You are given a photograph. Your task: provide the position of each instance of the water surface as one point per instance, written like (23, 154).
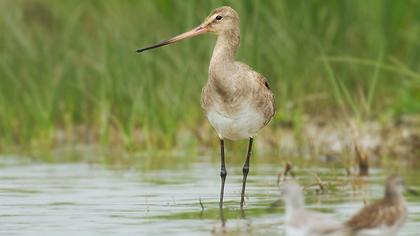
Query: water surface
(92, 199)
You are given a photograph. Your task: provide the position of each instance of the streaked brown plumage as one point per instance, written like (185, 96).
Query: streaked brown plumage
(237, 100)
(388, 213)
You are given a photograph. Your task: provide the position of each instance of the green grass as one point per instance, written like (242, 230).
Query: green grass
(68, 68)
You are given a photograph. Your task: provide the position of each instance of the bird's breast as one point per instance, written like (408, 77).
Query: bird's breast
(241, 123)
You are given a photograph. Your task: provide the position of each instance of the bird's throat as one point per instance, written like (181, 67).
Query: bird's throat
(226, 45)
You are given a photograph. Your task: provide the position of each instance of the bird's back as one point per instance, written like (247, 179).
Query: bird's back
(382, 216)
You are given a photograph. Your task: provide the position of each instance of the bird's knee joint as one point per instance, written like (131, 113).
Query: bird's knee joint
(223, 173)
(245, 170)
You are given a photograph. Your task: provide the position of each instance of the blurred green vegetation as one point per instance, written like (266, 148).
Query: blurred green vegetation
(68, 68)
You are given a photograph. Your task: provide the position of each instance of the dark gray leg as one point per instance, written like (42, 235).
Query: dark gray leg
(223, 172)
(245, 171)
(222, 219)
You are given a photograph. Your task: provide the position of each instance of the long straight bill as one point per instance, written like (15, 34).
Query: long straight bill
(197, 31)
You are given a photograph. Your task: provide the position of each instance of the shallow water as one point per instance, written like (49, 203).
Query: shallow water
(93, 199)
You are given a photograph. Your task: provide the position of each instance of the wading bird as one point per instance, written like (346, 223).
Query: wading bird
(385, 216)
(302, 222)
(237, 100)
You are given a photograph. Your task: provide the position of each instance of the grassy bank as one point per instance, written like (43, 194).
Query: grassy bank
(69, 74)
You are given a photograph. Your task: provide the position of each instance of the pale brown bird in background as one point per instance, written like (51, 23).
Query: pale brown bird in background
(237, 100)
(303, 222)
(383, 217)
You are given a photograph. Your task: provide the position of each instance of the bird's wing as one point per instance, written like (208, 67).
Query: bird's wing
(266, 94)
(252, 74)
(366, 218)
(262, 94)
(375, 215)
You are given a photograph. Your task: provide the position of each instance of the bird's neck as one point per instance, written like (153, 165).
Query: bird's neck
(393, 196)
(294, 204)
(224, 52)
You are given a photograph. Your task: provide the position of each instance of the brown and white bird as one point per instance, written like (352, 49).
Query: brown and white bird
(383, 217)
(236, 100)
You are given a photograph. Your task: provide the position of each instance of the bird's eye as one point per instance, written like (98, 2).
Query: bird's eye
(219, 17)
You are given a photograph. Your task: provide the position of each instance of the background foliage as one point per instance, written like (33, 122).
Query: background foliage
(68, 68)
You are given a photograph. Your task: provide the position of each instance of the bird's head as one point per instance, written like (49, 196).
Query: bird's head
(395, 186)
(221, 20)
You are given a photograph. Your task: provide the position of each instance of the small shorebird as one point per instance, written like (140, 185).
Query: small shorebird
(237, 100)
(302, 222)
(383, 217)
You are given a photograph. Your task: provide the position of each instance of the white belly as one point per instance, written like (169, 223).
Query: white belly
(242, 125)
